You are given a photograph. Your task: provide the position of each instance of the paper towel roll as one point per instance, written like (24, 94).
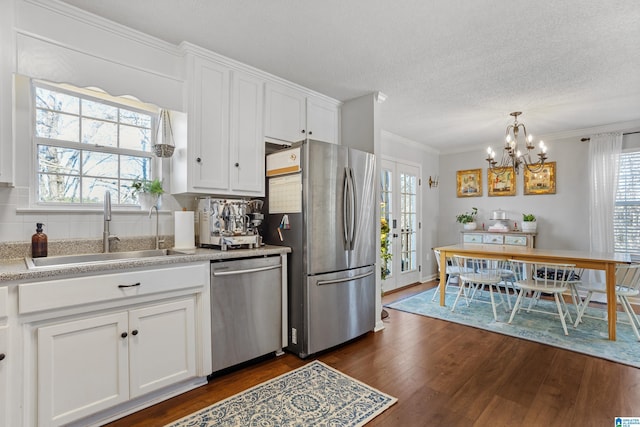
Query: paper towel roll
(184, 234)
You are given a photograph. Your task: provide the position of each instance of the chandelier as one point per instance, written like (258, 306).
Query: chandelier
(512, 157)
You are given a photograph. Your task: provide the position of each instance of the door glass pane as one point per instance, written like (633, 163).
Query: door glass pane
(409, 222)
(385, 223)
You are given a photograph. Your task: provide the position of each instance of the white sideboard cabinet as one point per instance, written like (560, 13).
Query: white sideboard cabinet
(513, 238)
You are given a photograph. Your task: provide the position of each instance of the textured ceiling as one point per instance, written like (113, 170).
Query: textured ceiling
(453, 70)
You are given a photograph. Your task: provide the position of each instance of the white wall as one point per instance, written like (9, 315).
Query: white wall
(397, 148)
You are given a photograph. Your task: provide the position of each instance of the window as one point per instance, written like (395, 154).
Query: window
(86, 145)
(626, 217)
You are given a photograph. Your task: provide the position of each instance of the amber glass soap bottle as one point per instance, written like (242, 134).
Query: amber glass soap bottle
(39, 242)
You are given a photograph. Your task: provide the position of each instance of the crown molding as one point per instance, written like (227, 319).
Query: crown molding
(77, 14)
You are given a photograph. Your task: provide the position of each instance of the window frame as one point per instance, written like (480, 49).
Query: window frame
(128, 103)
(634, 251)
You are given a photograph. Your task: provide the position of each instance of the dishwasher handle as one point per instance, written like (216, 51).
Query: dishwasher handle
(248, 270)
(344, 279)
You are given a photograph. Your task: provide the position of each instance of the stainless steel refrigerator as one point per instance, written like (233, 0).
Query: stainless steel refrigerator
(321, 202)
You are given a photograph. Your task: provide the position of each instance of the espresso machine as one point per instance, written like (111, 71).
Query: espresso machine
(229, 223)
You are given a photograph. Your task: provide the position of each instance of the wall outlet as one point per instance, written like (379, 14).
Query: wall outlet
(294, 336)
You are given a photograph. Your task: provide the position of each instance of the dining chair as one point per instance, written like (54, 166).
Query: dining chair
(476, 274)
(627, 285)
(538, 278)
(452, 272)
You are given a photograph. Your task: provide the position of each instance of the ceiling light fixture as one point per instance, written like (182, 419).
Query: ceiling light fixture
(512, 157)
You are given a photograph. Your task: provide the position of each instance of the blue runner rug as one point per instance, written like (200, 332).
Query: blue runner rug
(313, 395)
(590, 337)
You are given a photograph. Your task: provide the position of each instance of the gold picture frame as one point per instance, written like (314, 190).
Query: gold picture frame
(501, 181)
(469, 183)
(542, 182)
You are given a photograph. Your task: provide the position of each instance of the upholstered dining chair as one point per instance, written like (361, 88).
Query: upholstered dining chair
(475, 275)
(538, 278)
(627, 285)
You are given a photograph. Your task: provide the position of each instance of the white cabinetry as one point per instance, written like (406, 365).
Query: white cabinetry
(4, 375)
(247, 134)
(6, 99)
(5, 356)
(108, 343)
(224, 150)
(292, 116)
(91, 364)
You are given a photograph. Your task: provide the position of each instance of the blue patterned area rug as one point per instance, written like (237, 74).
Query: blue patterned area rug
(590, 337)
(313, 395)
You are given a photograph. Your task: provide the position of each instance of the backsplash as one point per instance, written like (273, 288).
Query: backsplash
(19, 226)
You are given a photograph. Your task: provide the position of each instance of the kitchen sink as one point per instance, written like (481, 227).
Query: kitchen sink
(65, 260)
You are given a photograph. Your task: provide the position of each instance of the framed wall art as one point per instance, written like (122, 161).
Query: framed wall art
(501, 181)
(541, 182)
(469, 183)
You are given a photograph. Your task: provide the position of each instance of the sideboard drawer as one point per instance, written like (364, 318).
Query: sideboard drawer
(515, 240)
(472, 238)
(493, 239)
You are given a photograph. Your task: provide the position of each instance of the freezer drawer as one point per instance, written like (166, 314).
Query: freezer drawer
(340, 307)
(246, 310)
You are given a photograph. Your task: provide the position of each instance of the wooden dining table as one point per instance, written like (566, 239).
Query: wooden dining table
(581, 259)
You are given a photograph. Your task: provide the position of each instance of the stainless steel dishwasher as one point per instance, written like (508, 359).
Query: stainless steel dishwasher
(246, 310)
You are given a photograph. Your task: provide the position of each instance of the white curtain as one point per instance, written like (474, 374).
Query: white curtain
(604, 160)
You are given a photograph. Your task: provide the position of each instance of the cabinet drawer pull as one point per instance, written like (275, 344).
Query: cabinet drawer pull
(302, 131)
(198, 159)
(124, 335)
(134, 332)
(129, 286)
(2, 356)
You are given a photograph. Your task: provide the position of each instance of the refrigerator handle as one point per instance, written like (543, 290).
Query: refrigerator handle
(344, 279)
(345, 196)
(352, 224)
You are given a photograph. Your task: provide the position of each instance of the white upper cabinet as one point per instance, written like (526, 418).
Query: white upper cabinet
(247, 134)
(224, 150)
(323, 120)
(293, 115)
(285, 117)
(6, 98)
(201, 163)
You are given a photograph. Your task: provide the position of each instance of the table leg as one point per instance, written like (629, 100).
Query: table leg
(611, 299)
(443, 276)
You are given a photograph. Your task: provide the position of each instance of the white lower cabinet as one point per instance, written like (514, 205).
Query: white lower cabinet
(4, 375)
(91, 364)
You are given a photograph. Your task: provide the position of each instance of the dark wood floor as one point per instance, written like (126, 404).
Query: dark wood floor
(445, 374)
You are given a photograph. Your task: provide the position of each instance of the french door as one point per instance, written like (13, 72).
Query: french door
(400, 209)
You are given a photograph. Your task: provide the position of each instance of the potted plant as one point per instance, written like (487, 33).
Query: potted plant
(148, 192)
(529, 224)
(468, 219)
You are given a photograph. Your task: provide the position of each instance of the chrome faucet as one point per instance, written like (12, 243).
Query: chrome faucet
(106, 236)
(158, 240)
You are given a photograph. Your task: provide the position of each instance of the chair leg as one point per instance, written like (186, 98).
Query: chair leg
(460, 291)
(564, 325)
(583, 308)
(632, 316)
(437, 292)
(516, 305)
(493, 303)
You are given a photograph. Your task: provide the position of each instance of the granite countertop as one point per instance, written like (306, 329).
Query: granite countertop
(15, 269)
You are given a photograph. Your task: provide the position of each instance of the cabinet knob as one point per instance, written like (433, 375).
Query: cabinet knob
(199, 160)
(302, 130)
(124, 335)
(237, 165)
(310, 133)
(2, 356)
(134, 332)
